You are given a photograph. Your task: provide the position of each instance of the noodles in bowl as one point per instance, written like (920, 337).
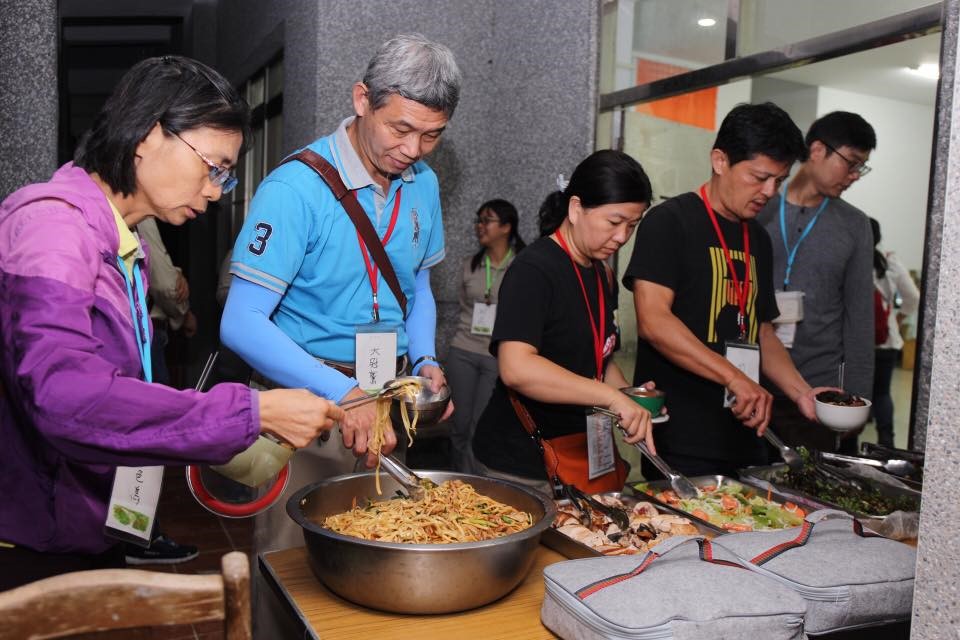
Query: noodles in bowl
(448, 513)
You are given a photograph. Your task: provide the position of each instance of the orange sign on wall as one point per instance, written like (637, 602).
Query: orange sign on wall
(697, 109)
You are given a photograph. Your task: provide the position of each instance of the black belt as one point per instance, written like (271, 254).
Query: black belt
(346, 368)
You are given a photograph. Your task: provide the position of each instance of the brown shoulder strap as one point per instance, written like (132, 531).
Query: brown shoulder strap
(359, 217)
(525, 418)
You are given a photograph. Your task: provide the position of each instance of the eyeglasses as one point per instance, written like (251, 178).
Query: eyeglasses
(220, 176)
(485, 221)
(852, 165)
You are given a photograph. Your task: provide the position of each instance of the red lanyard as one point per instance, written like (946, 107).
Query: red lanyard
(372, 266)
(598, 335)
(742, 291)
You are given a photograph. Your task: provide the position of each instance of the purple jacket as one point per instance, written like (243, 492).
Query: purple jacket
(72, 402)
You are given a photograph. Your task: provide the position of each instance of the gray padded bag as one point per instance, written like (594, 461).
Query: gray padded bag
(684, 589)
(849, 578)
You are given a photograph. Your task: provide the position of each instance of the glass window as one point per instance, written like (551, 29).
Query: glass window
(255, 91)
(647, 40)
(275, 79)
(274, 141)
(772, 24)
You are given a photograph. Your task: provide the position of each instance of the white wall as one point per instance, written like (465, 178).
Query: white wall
(895, 192)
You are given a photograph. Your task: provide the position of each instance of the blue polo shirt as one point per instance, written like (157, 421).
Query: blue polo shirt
(298, 241)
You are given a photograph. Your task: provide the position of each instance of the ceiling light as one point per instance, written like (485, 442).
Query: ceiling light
(929, 70)
(706, 22)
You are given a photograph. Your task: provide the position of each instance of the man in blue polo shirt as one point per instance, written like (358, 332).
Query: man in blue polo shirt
(307, 297)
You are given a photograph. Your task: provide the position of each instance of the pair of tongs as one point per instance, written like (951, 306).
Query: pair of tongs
(414, 484)
(680, 483)
(389, 390)
(618, 516)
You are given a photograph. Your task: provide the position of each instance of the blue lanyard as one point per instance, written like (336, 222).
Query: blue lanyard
(141, 320)
(792, 254)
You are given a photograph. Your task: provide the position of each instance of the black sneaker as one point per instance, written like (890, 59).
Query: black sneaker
(162, 550)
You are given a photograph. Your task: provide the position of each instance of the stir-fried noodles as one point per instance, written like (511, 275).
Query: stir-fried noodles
(406, 390)
(450, 512)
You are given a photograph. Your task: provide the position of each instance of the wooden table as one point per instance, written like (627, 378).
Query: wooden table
(325, 615)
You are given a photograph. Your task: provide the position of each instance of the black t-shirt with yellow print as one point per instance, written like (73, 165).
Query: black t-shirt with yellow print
(677, 247)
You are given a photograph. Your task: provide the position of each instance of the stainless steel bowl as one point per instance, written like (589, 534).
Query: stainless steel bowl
(417, 578)
(430, 405)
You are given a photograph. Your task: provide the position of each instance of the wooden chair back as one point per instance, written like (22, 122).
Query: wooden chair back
(84, 602)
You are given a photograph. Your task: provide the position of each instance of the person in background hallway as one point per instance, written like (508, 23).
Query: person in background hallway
(170, 298)
(822, 247)
(556, 330)
(701, 276)
(891, 280)
(76, 401)
(471, 369)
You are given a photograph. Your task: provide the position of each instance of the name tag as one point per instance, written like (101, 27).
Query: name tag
(786, 332)
(600, 446)
(376, 357)
(790, 304)
(484, 316)
(133, 504)
(745, 357)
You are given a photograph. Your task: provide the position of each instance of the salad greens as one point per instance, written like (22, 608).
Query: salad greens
(733, 507)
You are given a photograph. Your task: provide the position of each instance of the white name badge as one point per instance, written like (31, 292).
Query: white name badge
(133, 504)
(790, 304)
(484, 316)
(745, 357)
(786, 332)
(600, 446)
(376, 358)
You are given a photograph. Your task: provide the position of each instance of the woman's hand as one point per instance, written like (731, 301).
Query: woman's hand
(634, 419)
(296, 416)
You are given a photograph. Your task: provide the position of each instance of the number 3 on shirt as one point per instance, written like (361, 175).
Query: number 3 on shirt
(259, 244)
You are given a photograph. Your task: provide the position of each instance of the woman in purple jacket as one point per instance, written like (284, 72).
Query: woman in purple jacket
(76, 400)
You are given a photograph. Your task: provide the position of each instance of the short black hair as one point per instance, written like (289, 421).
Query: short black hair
(843, 128)
(752, 129)
(178, 93)
(604, 177)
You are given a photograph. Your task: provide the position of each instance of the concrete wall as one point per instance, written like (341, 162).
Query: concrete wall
(527, 107)
(28, 92)
(936, 604)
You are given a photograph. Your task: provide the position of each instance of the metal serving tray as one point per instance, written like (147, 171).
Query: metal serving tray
(767, 476)
(719, 481)
(572, 549)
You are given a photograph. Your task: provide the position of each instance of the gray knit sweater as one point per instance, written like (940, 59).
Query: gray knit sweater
(834, 269)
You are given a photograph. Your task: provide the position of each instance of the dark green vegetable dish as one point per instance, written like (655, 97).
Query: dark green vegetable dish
(851, 495)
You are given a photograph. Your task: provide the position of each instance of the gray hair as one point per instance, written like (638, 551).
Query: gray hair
(414, 68)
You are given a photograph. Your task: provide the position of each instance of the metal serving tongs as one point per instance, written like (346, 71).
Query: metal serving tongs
(410, 481)
(618, 516)
(388, 391)
(789, 455)
(893, 466)
(680, 483)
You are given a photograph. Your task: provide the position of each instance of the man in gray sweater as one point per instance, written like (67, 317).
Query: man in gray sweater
(822, 247)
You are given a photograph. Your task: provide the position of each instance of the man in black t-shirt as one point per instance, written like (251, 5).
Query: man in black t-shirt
(701, 276)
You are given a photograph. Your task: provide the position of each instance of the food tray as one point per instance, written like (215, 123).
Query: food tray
(767, 476)
(570, 548)
(719, 480)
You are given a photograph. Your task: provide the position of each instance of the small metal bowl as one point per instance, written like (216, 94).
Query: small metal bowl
(417, 578)
(430, 405)
(650, 399)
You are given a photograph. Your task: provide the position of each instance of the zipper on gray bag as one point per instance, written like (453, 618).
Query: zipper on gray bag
(591, 620)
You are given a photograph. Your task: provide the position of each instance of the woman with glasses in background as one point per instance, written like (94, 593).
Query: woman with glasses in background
(471, 370)
(76, 398)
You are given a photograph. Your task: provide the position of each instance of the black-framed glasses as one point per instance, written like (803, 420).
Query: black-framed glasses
(852, 165)
(220, 176)
(486, 220)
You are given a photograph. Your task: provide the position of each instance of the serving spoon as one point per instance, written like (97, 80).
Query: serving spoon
(680, 483)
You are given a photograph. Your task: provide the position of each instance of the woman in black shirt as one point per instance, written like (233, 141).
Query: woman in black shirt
(555, 331)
